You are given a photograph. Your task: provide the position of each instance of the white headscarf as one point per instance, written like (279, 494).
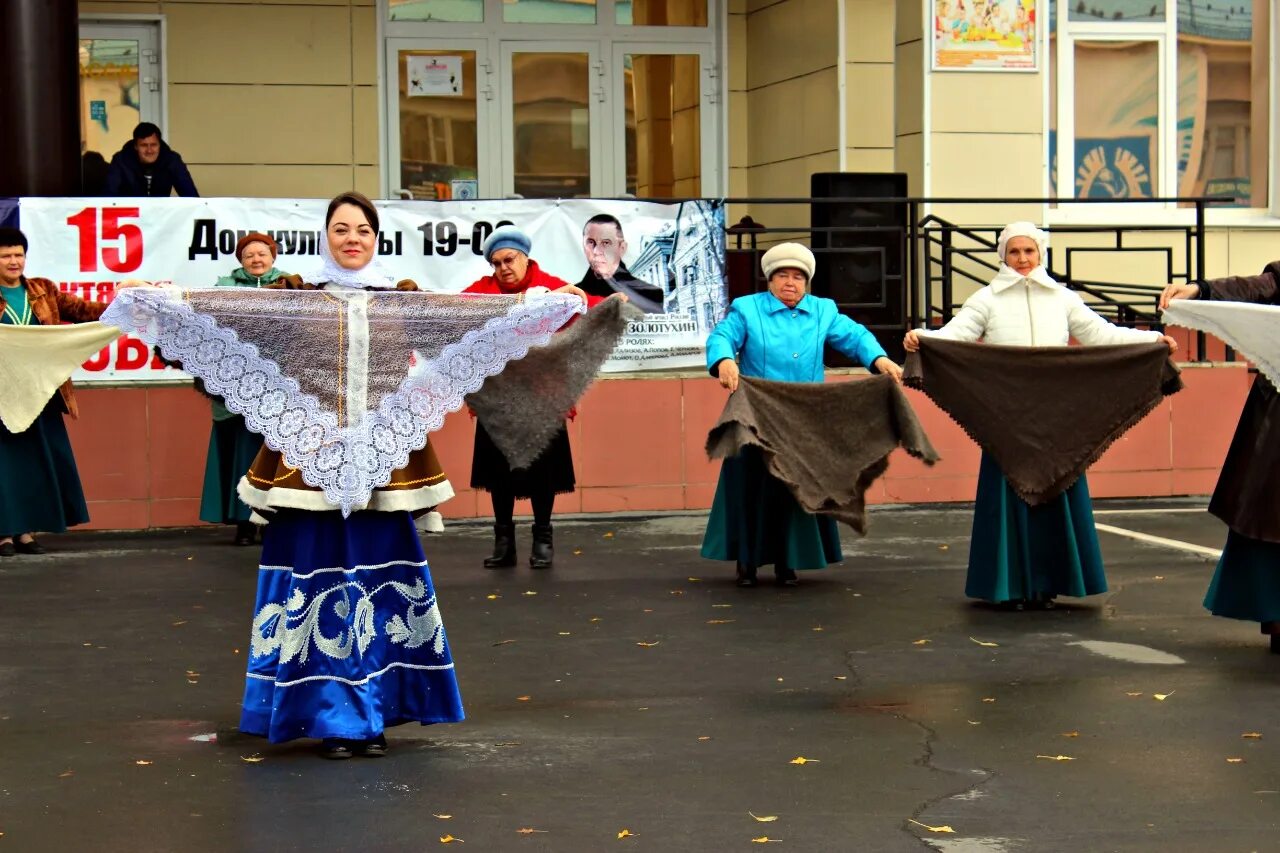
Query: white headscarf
(1007, 275)
(370, 276)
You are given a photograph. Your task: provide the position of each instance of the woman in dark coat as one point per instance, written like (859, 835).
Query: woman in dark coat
(1246, 584)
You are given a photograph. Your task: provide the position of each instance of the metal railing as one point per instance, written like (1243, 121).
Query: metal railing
(935, 256)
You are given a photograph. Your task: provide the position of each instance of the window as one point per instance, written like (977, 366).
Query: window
(1160, 98)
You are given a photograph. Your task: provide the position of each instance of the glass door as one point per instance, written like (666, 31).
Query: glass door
(438, 119)
(552, 105)
(663, 102)
(120, 86)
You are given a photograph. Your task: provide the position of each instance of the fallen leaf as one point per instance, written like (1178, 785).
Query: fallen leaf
(594, 619)
(944, 547)
(648, 610)
(676, 591)
(442, 816)
(493, 597)
(800, 759)
(1133, 694)
(1160, 697)
(974, 722)
(1158, 578)
(779, 679)
(523, 698)
(722, 605)
(694, 580)
(530, 592)
(767, 818)
(840, 677)
(251, 759)
(984, 644)
(719, 621)
(988, 699)
(528, 830)
(566, 633)
(1252, 735)
(503, 743)
(1056, 757)
(817, 628)
(648, 645)
(626, 833)
(609, 535)
(143, 763)
(503, 643)
(705, 737)
(577, 552)
(449, 839)
(1071, 734)
(179, 622)
(923, 642)
(764, 839)
(931, 828)
(1235, 761)
(65, 773)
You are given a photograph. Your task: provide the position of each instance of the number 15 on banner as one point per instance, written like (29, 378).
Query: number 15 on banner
(101, 227)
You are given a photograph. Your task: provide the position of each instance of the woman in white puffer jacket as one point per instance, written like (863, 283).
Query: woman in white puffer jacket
(1019, 554)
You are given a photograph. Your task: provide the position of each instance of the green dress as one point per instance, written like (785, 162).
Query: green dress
(232, 446)
(39, 485)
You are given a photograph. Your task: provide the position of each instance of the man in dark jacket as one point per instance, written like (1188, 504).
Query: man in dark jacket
(147, 166)
(604, 245)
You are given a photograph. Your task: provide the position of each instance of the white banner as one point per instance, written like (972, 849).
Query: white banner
(87, 245)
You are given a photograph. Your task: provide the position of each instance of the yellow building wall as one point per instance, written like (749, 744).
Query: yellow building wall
(276, 99)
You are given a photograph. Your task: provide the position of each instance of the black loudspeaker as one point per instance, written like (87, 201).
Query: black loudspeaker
(864, 270)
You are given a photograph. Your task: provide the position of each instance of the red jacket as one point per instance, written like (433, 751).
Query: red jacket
(535, 276)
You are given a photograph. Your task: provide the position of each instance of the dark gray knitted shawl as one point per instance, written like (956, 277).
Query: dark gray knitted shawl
(524, 406)
(827, 442)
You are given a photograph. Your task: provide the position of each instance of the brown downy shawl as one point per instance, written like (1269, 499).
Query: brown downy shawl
(827, 443)
(524, 406)
(1045, 414)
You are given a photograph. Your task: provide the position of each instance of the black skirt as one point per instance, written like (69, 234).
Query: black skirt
(551, 473)
(1245, 495)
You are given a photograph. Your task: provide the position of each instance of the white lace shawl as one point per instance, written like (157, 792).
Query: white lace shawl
(324, 375)
(1250, 328)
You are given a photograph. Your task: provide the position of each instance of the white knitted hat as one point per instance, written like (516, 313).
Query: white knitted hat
(788, 255)
(1022, 229)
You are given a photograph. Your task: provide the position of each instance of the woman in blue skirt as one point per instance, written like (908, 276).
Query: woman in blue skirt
(1246, 584)
(1022, 555)
(780, 335)
(39, 484)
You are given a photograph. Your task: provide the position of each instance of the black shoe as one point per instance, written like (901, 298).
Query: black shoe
(504, 547)
(376, 748)
(335, 749)
(32, 547)
(7, 550)
(1015, 605)
(785, 577)
(1044, 601)
(244, 533)
(542, 551)
(746, 576)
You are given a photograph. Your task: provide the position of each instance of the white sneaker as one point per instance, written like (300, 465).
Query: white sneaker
(432, 522)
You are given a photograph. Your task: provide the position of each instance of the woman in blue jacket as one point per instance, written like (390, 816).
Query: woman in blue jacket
(778, 335)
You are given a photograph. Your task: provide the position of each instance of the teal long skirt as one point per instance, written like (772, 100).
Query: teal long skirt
(756, 521)
(1246, 584)
(39, 484)
(1018, 551)
(232, 448)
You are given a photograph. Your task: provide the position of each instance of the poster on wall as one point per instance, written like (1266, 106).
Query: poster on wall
(985, 35)
(668, 257)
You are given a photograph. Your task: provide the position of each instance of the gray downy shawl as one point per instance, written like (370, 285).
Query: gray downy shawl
(524, 406)
(1045, 414)
(827, 442)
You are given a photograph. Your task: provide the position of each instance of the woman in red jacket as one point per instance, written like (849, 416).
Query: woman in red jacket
(514, 272)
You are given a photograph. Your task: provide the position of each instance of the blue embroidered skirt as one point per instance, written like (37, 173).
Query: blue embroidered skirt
(1018, 551)
(347, 638)
(1246, 584)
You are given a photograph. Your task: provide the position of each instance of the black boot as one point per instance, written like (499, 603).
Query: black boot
(541, 552)
(504, 547)
(244, 532)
